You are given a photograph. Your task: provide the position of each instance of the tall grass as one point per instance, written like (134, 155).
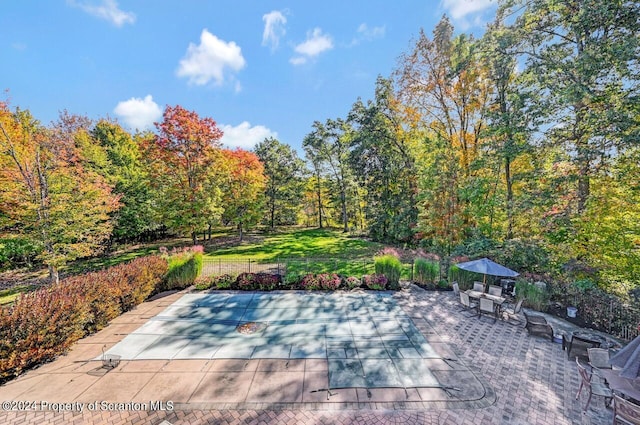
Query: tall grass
(184, 269)
(425, 271)
(390, 267)
(535, 297)
(464, 278)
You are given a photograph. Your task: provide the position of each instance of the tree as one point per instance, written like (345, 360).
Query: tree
(384, 161)
(328, 145)
(125, 171)
(444, 85)
(285, 184)
(243, 189)
(509, 127)
(181, 159)
(49, 190)
(582, 56)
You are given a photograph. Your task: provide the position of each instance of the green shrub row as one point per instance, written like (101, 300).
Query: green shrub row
(43, 324)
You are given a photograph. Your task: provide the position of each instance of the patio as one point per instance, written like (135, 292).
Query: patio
(505, 377)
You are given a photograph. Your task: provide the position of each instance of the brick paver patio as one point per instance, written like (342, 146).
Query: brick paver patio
(526, 380)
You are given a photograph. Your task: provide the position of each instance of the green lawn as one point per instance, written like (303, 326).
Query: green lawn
(303, 243)
(309, 251)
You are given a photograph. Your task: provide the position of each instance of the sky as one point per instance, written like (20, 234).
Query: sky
(259, 68)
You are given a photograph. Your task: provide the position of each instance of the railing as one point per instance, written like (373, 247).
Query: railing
(609, 313)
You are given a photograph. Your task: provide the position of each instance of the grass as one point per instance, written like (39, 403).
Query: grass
(308, 251)
(304, 251)
(302, 243)
(8, 296)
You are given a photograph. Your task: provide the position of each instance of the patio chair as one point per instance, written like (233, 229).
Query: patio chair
(514, 311)
(598, 359)
(537, 325)
(456, 288)
(478, 286)
(625, 411)
(578, 346)
(595, 388)
(495, 290)
(487, 306)
(466, 301)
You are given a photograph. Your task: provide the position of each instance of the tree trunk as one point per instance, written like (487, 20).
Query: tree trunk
(319, 188)
(240, 231)
(273, 213)
(509, 181)
(343, 200)
(54, 277)
(194, 237)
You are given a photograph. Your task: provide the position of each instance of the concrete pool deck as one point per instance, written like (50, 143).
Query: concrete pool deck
(501, 374)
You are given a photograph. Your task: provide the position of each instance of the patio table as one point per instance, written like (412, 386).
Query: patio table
(498, 301)
(626, 386)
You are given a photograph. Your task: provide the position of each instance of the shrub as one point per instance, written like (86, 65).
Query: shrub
(389, 266)
(376, 282)
(43, 324)
(266, 281)
(329, 281)
(535, 296)
(257, 281)
(224, 281)
(184, 268)
(310, 282)
(292, 280)
(424, 271)
(353, 282)
(17, 252)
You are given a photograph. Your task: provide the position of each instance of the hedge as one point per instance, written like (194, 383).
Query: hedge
(43, 324)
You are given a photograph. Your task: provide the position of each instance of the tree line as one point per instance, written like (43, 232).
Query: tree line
(525, 138)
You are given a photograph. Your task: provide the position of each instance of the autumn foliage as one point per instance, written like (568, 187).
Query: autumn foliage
(43, 324)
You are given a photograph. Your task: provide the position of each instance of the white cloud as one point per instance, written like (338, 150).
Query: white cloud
(107, 10)
(139, 113)
(208, 60)
(315, 44)
(244, 135)
(459, 9)
(371, 33)
(367, 34)
(274, 22)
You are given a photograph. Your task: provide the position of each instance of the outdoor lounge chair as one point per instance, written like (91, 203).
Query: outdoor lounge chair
(456, 288)
(577, 346)
(625, 411)
(595, 388)
(537, 325)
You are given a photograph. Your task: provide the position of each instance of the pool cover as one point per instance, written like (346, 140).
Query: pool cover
(367, 339)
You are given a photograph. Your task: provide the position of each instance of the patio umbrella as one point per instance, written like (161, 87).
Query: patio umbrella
(486, 266)
(628, 360)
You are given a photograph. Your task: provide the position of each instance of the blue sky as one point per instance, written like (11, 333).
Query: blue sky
(259, 68)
